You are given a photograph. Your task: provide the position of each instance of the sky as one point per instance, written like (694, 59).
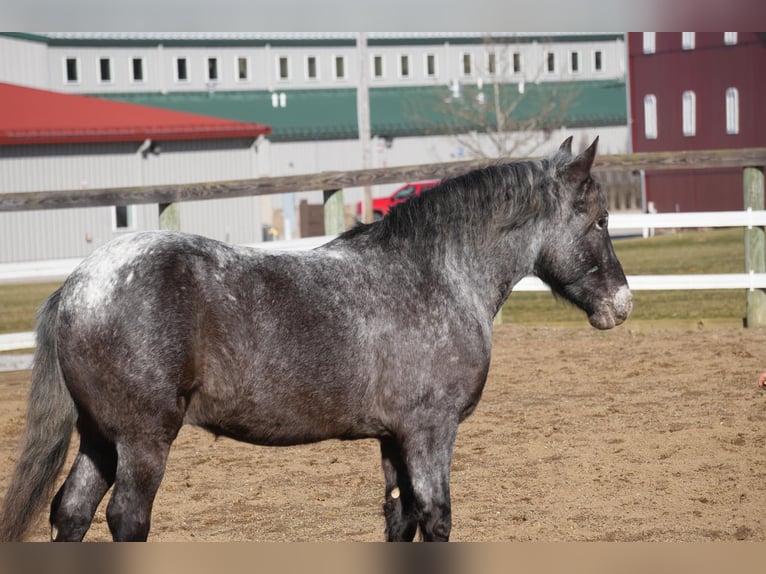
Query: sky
(382, 15)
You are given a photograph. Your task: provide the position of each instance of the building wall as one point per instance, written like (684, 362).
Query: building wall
(48, 234)
(264, 61)
(707, 70)
(23, 62)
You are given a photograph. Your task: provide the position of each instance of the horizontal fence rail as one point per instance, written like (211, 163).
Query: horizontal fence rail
(163, 194)
(635, 221)
(58, 269)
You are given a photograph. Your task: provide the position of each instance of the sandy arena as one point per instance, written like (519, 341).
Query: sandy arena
(627, 435)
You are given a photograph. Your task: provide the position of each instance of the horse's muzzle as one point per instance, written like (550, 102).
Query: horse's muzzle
(613, 312)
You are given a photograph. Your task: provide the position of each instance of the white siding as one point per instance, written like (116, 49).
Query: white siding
(76, 232)
(23, 63)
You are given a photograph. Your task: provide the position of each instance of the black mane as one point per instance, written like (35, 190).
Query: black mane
(495, 197)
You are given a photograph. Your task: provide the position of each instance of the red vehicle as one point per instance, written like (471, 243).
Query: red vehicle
(382, 205)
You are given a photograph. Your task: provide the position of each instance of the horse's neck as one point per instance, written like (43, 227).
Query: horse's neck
(490, 267)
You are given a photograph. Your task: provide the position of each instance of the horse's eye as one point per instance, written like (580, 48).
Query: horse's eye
(602, 222)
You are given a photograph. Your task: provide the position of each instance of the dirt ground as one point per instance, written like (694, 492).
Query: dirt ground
(629, 435)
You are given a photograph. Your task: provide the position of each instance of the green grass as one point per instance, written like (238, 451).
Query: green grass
(19, 304)
(718, 251)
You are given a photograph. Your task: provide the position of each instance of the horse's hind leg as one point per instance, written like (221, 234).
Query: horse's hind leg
(78, 498)
(140, 468)
(399, 507)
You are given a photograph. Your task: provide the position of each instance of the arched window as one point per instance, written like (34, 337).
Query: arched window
(649, 42)
(650, 116)
(689, 113)
(732, 111)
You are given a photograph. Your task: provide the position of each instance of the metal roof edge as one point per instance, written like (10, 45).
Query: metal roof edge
(319, 40)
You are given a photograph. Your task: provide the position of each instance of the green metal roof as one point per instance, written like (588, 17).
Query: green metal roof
(403, 111)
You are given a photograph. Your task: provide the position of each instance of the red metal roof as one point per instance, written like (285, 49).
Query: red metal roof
(31, 116)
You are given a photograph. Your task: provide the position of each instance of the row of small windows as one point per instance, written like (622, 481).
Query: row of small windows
(182, 70)
(689, 113)
(468, 67)
(688, 41)
(137, 70)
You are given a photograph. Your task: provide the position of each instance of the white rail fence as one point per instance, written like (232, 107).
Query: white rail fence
(619, 224)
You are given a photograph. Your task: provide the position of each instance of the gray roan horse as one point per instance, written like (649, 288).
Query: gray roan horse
(385, 332)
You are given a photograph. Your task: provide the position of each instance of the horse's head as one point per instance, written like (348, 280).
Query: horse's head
(577, 259)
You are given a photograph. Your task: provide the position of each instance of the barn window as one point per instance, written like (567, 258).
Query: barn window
(574, 62)
(650, 116)
(72, 70)
(243, 69)
(182, 70)
(431, 65)
(550, 62)
(598, 61)
(517, 62)
(687, 40)
(404, 66)
(312, 71)
(340, 67)
(124, 217)
(137, 69)
(283, 64)
(650, 42)
(105, 70)
(491, 63)
(689, 104)
(377, 67)
(467, 64)
(732, 111)
(730, 38)
(212, 69)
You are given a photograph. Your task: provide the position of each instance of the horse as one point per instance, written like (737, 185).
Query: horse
(385, 332)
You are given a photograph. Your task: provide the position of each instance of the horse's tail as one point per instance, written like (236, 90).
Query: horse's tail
(51, 416)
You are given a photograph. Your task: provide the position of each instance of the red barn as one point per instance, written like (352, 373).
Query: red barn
(696, 91)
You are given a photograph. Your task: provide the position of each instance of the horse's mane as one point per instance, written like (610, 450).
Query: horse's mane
(500, 195)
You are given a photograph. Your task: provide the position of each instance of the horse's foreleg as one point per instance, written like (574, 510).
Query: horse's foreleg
(140, 468)
(399, 507)
(428, 453)
(78, 498)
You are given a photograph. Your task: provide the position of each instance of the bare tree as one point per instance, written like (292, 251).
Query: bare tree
(498, 109)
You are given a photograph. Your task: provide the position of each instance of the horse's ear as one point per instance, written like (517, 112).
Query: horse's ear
(567, 145)
(578, 169)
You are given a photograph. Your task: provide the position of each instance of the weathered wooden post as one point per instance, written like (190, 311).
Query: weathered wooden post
(170, 216)
(755, 246)
(334, 218)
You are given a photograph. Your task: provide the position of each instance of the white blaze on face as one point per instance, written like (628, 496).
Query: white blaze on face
(623, 302)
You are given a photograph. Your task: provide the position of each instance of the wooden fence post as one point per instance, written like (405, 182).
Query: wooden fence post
(170, 217)
(334, 217)
(755, 246)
